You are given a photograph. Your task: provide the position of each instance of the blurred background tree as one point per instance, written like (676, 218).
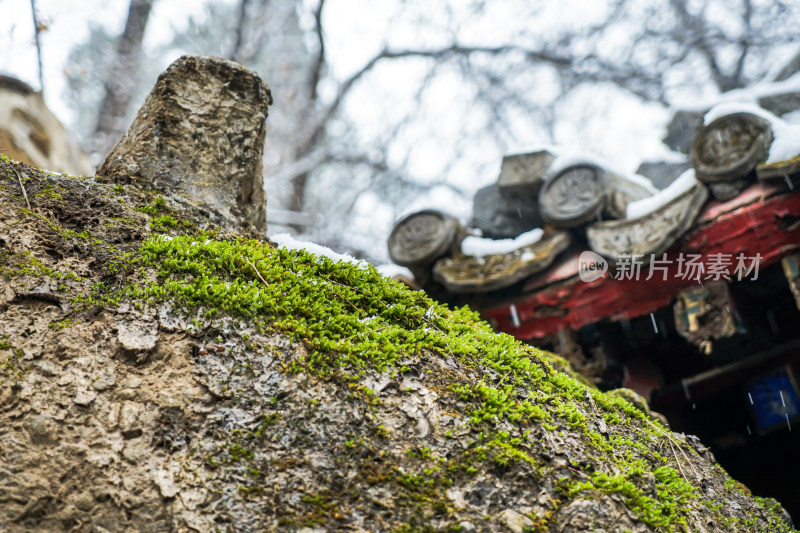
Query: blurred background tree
(383, 107)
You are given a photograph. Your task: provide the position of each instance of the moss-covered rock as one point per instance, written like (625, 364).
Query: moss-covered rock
(158, 373)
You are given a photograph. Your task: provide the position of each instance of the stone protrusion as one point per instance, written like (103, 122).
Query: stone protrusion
(200, 134)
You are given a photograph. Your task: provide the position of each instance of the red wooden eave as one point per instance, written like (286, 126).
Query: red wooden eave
(762, 220)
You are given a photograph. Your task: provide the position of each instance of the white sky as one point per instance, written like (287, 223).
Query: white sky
(68, 23)
(352, 40)
(356, 30)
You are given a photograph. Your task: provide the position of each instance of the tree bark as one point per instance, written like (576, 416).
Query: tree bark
(122, 80)
(240, 29)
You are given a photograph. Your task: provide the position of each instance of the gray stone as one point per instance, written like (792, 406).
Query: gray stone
(682, 130)
(46, 368)
(129, 419)
(166, 483)
(105, 381)
(515, 521)
(502, 216)
(39, 429)
(524, 174)
(137, 338)
(84, 398)
(200, 134)
(662, 173)
(727, 190)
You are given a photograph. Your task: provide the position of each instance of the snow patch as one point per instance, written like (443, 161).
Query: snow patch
(648, 205)
(480, 247)
(284, 240)
(785, 141)
(566, 159)
(728, 108)
(391, 270)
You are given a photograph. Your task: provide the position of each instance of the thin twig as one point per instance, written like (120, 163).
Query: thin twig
(579, 473)
(36, 28)
(257, 272)
(21, 186)
(677, 461)
(671, 441)
(504, 377)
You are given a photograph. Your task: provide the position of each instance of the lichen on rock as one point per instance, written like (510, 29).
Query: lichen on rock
(278, 391)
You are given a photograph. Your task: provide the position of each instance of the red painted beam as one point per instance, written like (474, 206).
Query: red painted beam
(761, 220)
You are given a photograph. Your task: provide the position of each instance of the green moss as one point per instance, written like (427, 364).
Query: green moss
(158, 205)
(11, 368)
(26, 263)
(665, 510)
(351, 319)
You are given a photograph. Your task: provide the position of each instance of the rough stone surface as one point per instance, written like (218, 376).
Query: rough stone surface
(223, 428)
(201, 133)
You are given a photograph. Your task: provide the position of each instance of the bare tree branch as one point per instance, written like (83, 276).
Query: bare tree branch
(239, 31)
(122, 78)
(319, 63)
(696, 27)
(744, 42)
(36, 30)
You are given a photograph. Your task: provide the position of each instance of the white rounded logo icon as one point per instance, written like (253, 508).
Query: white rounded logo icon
(591, 266)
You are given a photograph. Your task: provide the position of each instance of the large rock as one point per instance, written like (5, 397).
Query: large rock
(286, 392)
(200, 133)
